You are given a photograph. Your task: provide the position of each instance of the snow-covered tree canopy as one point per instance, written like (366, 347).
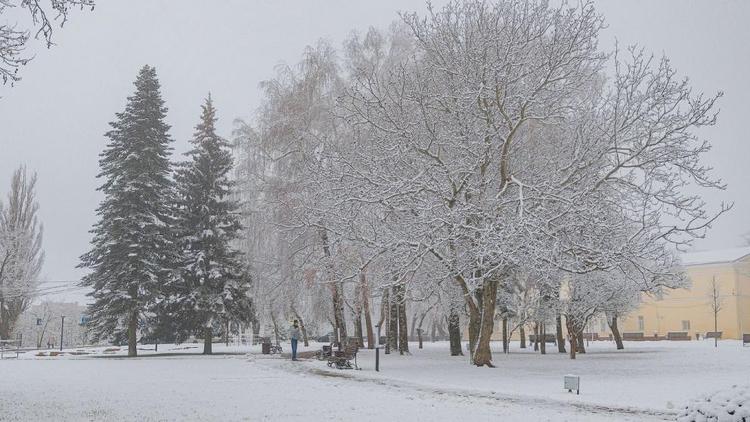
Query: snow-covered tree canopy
(486, 140)
(21, 254)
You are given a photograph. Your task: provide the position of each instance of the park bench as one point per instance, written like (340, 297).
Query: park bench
(745, 339)
(713, 334)
(325, 352)
(632, 336)
(10, 347)
(342, 359)
(548, 338)
(591, 336)
(678, 335)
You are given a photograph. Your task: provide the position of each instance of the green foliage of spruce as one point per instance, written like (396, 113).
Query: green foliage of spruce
(211, 286)
(129, 257)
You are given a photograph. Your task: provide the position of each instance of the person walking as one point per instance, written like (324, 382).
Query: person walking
(294, 335)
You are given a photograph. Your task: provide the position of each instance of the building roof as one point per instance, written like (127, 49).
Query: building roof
(714, 257)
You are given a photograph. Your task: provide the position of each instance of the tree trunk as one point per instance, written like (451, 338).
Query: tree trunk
(580, 342)
(132, 335)
(366, 310)
(358, 329)
(413, 327)
(256, 328)
(403, 333)
(384, 310)
(226, 333)
(615, 332)
(522, 333)
(338, 311)
(393, 320)
(536, 336)
(483, 355)
(275, 327)
(475, 322)
(505, 335)
(454, 332)
(543, 338)
(571, 336)
(357, 315)
(336, 296)
(420, 331)
(433, 332)
(207, 339)
(559, 334)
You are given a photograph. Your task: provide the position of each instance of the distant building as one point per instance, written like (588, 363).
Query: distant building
(689, 310)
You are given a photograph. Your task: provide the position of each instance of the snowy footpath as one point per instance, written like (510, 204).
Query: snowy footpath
(647, 382)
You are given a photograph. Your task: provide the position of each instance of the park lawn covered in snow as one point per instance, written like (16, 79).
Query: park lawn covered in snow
(241, 384)
(655, 377)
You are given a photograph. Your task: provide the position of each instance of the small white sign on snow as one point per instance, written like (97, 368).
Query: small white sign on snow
(572, 382)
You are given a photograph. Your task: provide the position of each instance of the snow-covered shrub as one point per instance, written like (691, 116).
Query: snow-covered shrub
(729, 405)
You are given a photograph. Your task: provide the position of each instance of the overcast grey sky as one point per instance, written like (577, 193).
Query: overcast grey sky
(54, 119)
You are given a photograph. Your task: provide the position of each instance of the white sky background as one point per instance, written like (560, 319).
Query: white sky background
(55, 118)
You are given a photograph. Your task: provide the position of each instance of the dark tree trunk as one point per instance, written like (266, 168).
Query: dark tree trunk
(559, 334)
(505, 335)
(580, 342)
(207, 338)
(571, 336)
(475, 323)
(420, 331)
(256, 327)
(366, 310)
(543, 338)
(358, 330)
(433, 332)
(454, 333)
(275, 327)
(483, 355)
(615, 332)
(393, 320)
(522, 333)
(357, 316)
(338, 311)
(336, 296)
(132, 335)
(536, 336)
(413, 327)
(226, 333)
(403, 333)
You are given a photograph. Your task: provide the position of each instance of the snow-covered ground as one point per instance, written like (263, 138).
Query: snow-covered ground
(647, 381)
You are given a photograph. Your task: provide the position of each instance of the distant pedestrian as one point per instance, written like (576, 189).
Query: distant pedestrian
(294, 335)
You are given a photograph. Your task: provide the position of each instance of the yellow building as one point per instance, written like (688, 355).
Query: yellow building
(689, 310)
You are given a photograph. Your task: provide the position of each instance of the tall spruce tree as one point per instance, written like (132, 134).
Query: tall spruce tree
(212, 287)
(130, 256)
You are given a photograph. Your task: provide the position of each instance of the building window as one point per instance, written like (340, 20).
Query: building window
(641, 323)
(685, 325)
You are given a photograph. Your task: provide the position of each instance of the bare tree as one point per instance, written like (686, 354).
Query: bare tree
(715, 302)
(21, 255)
(13, 39)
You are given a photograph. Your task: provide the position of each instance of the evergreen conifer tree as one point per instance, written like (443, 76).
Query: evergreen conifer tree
(212, 285)
(130, 255)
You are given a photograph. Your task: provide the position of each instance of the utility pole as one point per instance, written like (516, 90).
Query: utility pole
(62, 325)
